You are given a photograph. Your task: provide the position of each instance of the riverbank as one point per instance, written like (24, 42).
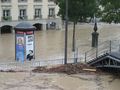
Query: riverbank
(67, 69)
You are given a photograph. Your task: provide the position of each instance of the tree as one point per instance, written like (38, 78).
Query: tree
(78, 10)
(110, 10)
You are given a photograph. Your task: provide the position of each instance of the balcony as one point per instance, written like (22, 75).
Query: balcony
(22, 1)
(37, 17)
(6, 3)
(37, 1)
(51, 16)
(22, 17)
(6, 18)
(51, 0)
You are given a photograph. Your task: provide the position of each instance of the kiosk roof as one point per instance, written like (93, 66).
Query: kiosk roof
(24, 26)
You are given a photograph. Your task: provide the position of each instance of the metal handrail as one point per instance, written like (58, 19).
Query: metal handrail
(103, 48)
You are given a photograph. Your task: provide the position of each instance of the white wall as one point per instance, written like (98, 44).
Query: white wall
(45, 9)
(14, 10)
(30, 9)
(0, 12)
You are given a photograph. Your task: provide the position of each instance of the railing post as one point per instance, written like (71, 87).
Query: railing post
(75, 55)
(119, 47)
(96, 51)
(110, 46)
(85, 56)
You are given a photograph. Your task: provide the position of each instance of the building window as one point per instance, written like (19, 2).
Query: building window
(37, 0)
(22, 0)
(6, 15)
(5, 1)
(22, 14)
(51, 12)
(38, 13)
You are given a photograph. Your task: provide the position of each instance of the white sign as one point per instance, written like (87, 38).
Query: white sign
(29, 47)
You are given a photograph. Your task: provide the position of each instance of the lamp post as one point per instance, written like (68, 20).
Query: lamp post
(95, 34)
(66, 31)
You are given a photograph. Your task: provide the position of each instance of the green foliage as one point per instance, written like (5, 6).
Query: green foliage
(78, 9)
(111, 10)
(108, 10)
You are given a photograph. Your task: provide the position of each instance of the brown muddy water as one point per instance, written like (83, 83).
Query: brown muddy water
(50, 45)
(42, 81)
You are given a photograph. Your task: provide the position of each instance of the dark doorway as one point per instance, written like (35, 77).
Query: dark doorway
(6, 29)
(51, 25)
(38, 26)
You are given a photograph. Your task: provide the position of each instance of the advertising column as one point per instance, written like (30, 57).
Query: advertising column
(24, 42)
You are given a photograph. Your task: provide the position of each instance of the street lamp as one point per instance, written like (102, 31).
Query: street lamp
(95, 24)
(66, 31)
(95, 34)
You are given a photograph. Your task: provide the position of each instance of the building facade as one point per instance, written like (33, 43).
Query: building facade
(40, 13)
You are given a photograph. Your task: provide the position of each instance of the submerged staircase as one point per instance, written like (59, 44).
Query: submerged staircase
(107, 54)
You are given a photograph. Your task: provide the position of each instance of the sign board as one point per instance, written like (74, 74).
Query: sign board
(29, 45)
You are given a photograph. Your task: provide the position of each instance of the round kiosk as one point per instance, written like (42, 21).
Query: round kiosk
(24, 42)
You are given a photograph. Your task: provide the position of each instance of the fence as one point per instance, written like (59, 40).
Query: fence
(28, 65)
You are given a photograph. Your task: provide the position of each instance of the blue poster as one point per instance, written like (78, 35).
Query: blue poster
(20, 48)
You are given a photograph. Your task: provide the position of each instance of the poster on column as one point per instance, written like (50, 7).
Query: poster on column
(29, 47)
(20, 48)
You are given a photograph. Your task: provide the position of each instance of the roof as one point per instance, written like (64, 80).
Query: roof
(24, 26)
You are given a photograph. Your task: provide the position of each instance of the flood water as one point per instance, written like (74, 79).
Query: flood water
(50, 44)
(42, 81)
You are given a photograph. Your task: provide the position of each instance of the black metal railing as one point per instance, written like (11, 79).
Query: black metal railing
(37, 16)
(5, 1)
(103, 48)
(22, 1)
(6, 18)
(36, 1)
(51, 16)
(22, 17)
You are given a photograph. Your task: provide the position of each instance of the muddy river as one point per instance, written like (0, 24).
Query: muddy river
(35, 81)
(50, 45)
